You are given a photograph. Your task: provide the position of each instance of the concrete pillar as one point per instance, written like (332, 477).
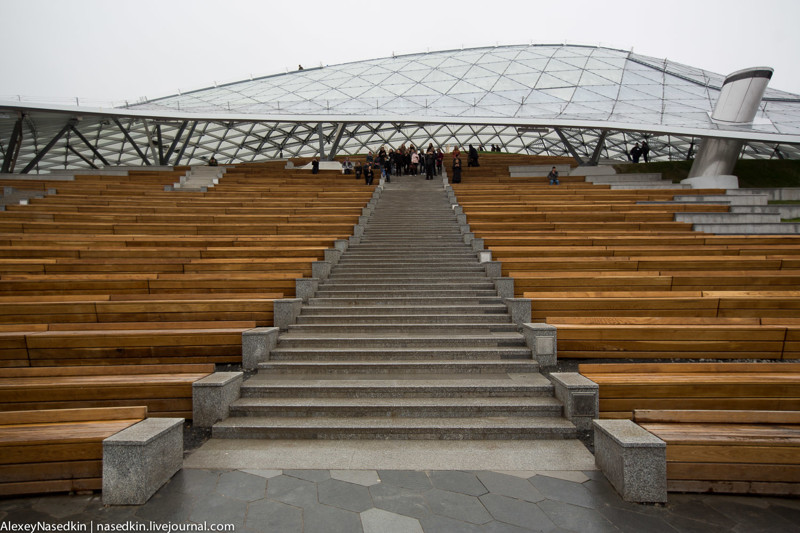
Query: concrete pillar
(737, 106)
(257, 343)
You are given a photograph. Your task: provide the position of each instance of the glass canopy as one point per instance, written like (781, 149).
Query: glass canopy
(587, 102)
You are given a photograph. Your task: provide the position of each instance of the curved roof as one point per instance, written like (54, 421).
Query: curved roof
(587, 102)
(528, 83)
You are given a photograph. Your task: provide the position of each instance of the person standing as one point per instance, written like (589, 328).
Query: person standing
(430, 162)
(369, 175)
(636, 153)
(439, 161)
(414, 162)
(457, 169)
(315, 166)
(645, 151)
(472, 158)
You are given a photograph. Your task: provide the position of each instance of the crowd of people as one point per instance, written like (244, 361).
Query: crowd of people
(407, 161)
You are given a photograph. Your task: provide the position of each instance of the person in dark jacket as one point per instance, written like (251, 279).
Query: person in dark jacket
(472, 158)
(457, 169)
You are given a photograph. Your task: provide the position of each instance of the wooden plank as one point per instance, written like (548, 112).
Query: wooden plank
(66, 470)
(72, 415)
(764, 454)
(41, 487)
(719, 487)
(683, 368)
(716, 416)
(782, 473)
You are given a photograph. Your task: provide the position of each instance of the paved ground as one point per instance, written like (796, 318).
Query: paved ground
(391, 501)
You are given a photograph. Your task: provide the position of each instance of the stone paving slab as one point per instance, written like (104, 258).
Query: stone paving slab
(401, 501)
(392, 455)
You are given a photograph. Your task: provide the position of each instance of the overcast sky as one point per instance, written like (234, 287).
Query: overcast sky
(112, 51)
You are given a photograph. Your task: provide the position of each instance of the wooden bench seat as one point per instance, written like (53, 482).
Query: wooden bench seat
(166, 389)
(124, 344)
(58, 450)
(625, 387)
(664, 340)
(756, 304)
(196, 309)
(530, 282)
(131, 283)
(755, 452)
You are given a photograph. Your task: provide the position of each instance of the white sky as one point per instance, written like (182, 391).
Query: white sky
(113, 50)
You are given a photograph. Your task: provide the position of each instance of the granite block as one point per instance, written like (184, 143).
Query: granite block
(633, 459)
(542, 339)
(580, 397)
(285, 312)
(213, 395)
(257, 343)
(519, 309)
(139, 460)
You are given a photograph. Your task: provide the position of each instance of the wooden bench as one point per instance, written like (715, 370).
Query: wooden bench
(722, 304)
(58, 450)
(133, 343)
(671, 338)
(625, 387)
(156, 309)
(166, 389)
(755, 452)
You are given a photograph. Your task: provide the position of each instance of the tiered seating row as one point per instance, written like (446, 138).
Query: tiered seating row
(58, 450)
(729, 427)
(621, 278)
(119, 258)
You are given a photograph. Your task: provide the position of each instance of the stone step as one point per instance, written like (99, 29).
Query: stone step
(455, 257)
(405, 276)
(331, 340)
(375, 330)
(472, 428)
(400, 310)
(329, 284)
(463, 301)
(427, 353)
(340, 318)
(389, 271)
(366, 366)
(397, 407)
(333, 292)
(433, 385)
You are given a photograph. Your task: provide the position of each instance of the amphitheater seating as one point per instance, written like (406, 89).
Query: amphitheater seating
(116, 293)
(58, 450)
(625, 387)
(165, 389)
(728, 450)
(621, 279)
(118, 257)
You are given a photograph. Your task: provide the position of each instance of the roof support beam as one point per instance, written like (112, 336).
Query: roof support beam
(185, 143)
(87, 161)
(601, 143)
(339, 131)
(175, 141)
(130, 140)
(571, 149)
(90, 146)
(12, 150)
(43, 151)
(159, 139)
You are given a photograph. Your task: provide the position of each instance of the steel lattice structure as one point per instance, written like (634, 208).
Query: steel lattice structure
(590, 103)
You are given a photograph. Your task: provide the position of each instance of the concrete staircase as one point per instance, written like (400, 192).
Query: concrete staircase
(407, 338)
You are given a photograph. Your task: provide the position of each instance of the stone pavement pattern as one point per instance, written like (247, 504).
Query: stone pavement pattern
(406, 501)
